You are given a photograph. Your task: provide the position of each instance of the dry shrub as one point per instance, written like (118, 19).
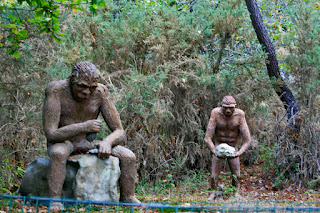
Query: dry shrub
(20, 123)
(22, 84)
(301, 161)
(162, 118)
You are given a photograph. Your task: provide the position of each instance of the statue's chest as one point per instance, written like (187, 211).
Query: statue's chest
(73, 111)
(227, 124)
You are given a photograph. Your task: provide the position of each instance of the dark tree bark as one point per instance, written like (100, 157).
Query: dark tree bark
(290, 103)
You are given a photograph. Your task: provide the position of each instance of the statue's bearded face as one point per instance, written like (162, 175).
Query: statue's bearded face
(82, 88)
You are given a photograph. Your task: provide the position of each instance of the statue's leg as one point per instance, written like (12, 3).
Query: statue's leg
(128, 173)
(234, 165)
(215, 172)
(58, 153)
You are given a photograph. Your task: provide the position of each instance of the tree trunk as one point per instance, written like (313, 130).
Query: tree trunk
(290, 103)
(223, 44)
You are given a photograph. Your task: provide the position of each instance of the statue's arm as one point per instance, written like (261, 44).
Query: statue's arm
(51, 118)
(210, 132)
(244, 130)
(112, 118)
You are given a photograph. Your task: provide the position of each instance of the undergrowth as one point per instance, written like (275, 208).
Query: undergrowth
(193, 184)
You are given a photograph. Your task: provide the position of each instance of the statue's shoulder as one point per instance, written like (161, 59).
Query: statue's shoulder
(57, 86)
(216, 111)
(239, 112)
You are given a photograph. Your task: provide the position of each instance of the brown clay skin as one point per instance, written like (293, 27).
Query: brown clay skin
(70, 111)
(226, 123)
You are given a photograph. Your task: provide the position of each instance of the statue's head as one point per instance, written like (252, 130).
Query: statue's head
(84, 80)
(228, 105)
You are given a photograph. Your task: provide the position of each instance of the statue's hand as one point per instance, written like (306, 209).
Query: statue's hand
(104, 150)
(214, 153)
(93, 126)
(237, 154)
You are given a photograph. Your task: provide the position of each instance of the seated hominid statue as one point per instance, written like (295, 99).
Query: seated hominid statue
(70, 113)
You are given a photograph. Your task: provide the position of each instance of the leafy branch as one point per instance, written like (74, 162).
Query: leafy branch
(46, 16)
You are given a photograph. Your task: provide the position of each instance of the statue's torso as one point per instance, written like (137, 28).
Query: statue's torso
(74, 112)
(77, 112)
(227, 129)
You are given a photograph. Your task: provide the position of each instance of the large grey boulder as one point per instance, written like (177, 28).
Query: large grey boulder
(223, 150)
(87, 178)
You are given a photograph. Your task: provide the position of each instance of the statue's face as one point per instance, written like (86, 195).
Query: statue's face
(82, 89)
(228, 110)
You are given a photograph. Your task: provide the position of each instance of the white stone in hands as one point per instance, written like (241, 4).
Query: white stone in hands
(225, 151)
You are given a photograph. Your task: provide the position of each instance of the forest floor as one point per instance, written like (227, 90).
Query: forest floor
(257, 182)
(259, 187)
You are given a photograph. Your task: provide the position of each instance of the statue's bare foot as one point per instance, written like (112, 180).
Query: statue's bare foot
(131, 199)
(237, 195)
(56, 206)
(212, 197)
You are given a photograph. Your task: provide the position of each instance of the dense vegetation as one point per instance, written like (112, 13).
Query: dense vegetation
(166, 64)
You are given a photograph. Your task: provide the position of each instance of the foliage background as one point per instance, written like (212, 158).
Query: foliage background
(167, 64)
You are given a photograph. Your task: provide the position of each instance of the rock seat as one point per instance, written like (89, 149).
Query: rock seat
(88, 178)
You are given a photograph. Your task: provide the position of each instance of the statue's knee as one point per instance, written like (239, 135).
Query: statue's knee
(132, 157)
(124, 154)
(59, 154)
(129, 157)
(214, 178)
